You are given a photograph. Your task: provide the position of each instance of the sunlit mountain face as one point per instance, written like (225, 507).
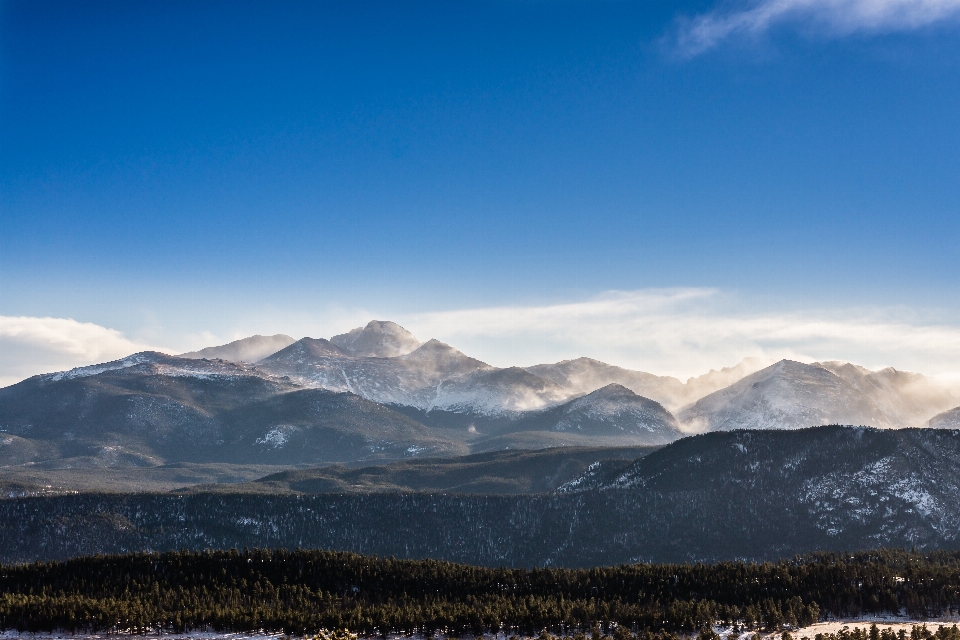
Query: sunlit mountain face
(378, 393)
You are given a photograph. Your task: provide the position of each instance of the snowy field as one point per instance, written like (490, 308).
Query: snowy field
(196, 635)
(833, 626)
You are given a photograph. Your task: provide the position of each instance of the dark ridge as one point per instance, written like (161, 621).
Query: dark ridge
(755, 495)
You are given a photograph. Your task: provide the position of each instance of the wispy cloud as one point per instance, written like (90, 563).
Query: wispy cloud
(689, 331)
(835, 17)
(680, 332)
(29, 346)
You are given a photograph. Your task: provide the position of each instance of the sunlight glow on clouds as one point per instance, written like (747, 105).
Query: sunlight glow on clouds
(689, 331)
(837, 17)
(29, 346)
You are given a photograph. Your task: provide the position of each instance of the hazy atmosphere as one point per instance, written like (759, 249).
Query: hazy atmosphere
(668, 187)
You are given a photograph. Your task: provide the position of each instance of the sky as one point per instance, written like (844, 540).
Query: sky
(668, 186)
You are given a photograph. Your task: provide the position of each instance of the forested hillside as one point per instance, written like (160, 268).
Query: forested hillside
(492, 473)
(758, 495)
(303, 591)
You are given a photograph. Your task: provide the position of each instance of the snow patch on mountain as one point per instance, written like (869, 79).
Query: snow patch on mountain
(278, 436)
(96, 369)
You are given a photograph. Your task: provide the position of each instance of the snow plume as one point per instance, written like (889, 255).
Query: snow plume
(685, 332)
(29, 346)
(835, 17)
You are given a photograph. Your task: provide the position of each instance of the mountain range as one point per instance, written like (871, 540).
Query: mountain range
(754, 495)
(379, 393)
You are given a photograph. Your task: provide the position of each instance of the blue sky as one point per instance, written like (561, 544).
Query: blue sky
(180, 173)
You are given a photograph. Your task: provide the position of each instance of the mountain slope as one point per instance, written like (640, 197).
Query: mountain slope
(246, 350)
(792, 395)
(584, 375)
(899, 397)
(615, 410)
(612, 416)
(500, 472)
(317, 425)
(139, 410)
(496, 392)
(756, 495)
(410, 380)
(946, 420)
(835, 487)
(151, 408)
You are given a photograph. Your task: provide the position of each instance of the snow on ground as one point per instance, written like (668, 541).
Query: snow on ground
(193, 635)
(832, 626)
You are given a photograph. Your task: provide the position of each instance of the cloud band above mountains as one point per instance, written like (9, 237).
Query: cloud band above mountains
(834, 17)
(689, 331)
(29, 346)
(681, 332)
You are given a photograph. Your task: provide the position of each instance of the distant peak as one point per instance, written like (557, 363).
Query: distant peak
(307, 348)
(436, 353)
(433, 343)
(432, 347)
(612, 390)
(378, 339)
(249, 349)
(140, 358)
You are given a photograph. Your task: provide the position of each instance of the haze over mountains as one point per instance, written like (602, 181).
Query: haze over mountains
(374, 441)
(791, 395)
(378, 393)
(245, 350)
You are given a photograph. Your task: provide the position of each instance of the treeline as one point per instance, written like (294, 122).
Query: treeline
(918, 632)
(303, 591)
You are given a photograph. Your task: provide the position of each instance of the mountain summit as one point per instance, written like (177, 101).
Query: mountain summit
(379, 339)
(377, 392)
(245, 350)
(616, 410)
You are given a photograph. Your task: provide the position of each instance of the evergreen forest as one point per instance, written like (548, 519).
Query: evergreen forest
(304, 591)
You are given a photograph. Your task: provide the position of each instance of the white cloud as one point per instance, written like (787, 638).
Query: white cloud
(680, 332)
(686, 332)
(837, 17)
(29, 346)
